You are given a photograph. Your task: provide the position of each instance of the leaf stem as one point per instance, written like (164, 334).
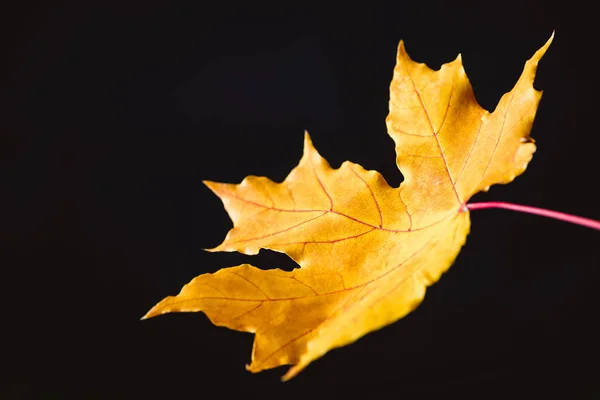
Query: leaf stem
(573, 219)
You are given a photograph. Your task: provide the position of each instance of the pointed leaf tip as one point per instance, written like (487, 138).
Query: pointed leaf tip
(308, 144)
(291, 373)
(307, 137)
(540, 53)
(401, 49)
(149, 314)
(209, 184)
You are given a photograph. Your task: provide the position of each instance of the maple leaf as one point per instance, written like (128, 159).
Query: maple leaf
(367, 251)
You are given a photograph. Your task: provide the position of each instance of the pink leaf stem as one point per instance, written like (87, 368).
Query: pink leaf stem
(573, 219)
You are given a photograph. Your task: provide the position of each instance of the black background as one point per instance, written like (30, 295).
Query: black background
(112, 115)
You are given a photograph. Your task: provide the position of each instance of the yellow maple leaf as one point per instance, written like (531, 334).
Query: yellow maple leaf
(367, 251)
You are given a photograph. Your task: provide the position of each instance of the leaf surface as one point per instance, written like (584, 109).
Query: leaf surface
(366, 251)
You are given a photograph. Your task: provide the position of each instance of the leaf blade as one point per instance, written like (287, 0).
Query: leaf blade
(366, 251)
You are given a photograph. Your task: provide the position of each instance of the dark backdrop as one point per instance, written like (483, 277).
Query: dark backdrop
(113, 114)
